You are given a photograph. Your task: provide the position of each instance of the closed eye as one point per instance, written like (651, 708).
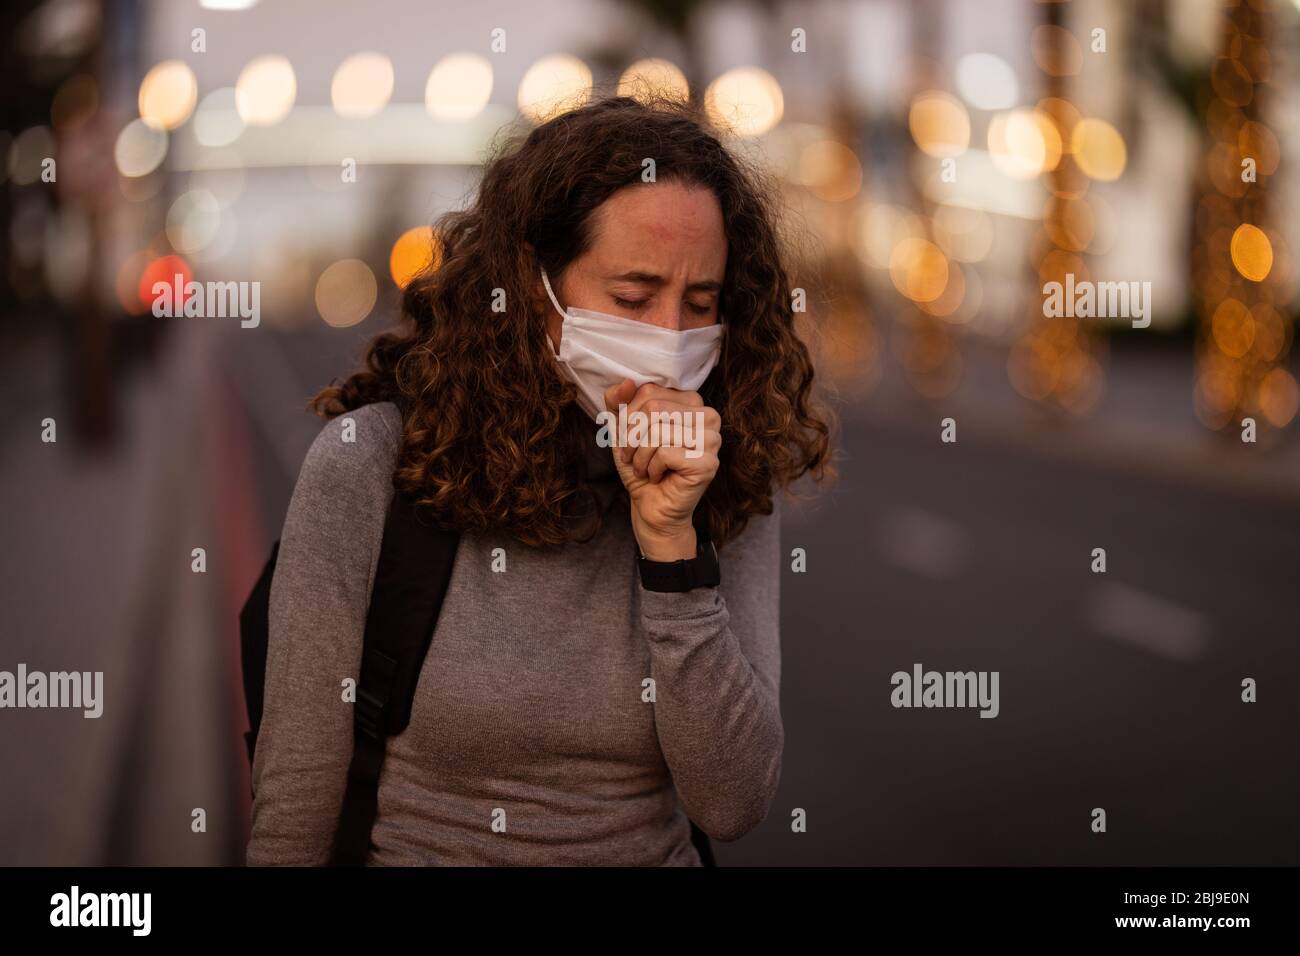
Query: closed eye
(635, 304)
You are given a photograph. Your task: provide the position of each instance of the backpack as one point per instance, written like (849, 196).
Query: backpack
(411, 578)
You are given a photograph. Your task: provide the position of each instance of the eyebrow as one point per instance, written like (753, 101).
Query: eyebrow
(649, 278)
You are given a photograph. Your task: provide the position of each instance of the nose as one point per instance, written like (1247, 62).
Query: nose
(669, 311)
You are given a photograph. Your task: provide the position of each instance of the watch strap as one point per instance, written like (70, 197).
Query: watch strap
(684, 574)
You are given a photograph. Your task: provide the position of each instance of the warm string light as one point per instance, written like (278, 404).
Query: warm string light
(920, 265)
(1057, 361)
(1241, 270)
(844, 331)
(746, 102)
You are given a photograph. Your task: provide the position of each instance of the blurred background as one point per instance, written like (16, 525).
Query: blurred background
(941, 160)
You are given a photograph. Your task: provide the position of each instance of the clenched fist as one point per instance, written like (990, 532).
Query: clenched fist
(665, 479)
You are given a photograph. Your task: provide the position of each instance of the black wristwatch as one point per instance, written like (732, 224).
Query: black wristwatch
(701, 571)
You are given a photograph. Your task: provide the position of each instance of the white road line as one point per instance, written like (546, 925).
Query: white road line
(924, 543)
(1155, 624)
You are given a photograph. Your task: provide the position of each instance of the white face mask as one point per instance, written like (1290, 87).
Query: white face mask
(599, 350)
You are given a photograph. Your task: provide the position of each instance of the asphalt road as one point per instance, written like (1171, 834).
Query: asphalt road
(1118, 690)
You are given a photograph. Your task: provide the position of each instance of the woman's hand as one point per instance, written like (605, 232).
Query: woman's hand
(665, 481)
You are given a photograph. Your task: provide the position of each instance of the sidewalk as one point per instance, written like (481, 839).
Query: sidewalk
(99, 557)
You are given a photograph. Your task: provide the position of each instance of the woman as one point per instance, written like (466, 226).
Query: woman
(572, 709)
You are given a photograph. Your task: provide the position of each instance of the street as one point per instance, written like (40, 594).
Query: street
(1153, 730)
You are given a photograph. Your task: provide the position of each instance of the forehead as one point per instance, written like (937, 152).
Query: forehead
(665, 226)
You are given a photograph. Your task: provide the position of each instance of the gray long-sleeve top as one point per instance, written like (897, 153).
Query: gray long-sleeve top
(533, 709)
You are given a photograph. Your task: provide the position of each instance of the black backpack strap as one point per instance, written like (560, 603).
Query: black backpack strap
(700, 840)
(411, 578)
(254, 626)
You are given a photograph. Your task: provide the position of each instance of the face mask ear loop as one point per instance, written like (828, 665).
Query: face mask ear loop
(554, 301)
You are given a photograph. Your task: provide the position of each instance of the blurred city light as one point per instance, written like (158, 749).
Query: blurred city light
(1252, 253)
(919, 269)
(362, 85)
(413, 251)
(459, 86)
(346, 292)
(964, 234)
(654, 77)
(554, 84)
(168, 93)
(164, 269)
(939, 124)
(987, 81)
(831, 170)
(140, 148)
(1056, 50)
(266, 90)
(27, 152)
(1099, 149)
(1024, 144)
(881, 227)
(193, 220)
(217, 121)
(747, 101)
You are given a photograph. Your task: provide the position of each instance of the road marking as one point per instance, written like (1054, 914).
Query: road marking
(925, 544)
(1152, 623)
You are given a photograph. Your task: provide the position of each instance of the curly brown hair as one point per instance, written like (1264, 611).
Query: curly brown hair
(493, 438)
